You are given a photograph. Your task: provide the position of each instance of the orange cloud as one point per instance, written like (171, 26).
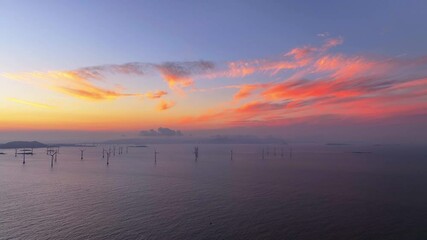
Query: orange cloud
(345, 68)
(302, 53)
(241, 68)
(299, 90)
(258, 107)
(156, 94)
(92, 93)
(328, 63)
(247, 90)
(30, 103)
(68, 82)
(294, 59)
(165, 105)
(180, 74)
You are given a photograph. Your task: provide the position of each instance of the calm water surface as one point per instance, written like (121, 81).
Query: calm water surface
(323, 192)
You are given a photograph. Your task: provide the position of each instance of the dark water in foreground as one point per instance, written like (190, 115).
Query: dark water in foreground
(323, 192)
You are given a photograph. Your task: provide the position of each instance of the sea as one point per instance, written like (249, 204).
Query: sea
(235, 191)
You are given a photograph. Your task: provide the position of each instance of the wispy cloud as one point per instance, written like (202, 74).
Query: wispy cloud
(30, 103)
(69, 82)
(247, 90)
(323, 34)
(294, 59)
(179, 74)
(165, 105)
(155, 94)
(80, 82)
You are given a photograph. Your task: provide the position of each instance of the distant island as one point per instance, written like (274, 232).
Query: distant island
(23, 144)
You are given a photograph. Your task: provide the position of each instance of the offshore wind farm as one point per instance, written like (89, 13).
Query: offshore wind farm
(166, 191)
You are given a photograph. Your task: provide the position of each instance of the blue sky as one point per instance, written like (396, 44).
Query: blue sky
(45, 35)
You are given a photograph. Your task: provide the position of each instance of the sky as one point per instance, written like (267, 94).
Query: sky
(302, 70)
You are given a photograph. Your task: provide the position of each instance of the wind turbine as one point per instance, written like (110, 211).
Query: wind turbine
(263, 153)
(196, 153)
(155, 155)
(108, 156)
(52, 154)
(81, 153)
(24, 152)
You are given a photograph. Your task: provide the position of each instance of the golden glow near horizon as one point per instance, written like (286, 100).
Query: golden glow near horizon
(294, 87)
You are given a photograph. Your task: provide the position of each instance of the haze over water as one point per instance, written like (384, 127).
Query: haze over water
(323, 192)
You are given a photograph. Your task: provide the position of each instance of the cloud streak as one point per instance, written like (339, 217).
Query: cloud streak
(155, 94)
(70, 83)
(179, 74)
(30, 103)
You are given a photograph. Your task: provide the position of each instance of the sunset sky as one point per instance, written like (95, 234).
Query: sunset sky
(342, 68)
